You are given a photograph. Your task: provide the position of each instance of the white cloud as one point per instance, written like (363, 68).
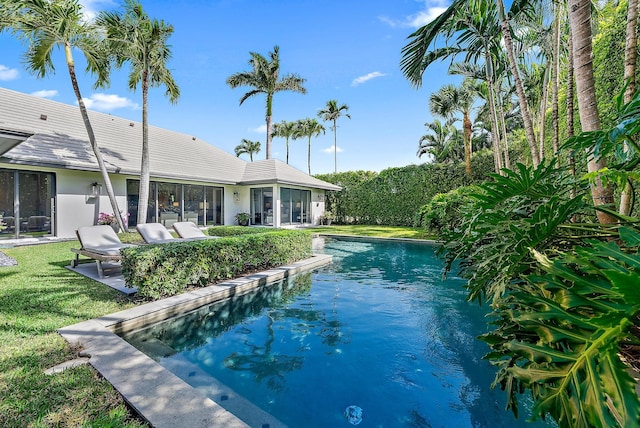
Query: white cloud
(262, 129)
(430, 11)
(106, 102)
(45, 93)
(330, 149)
(92, 7)
(7, 73)
(358, 80)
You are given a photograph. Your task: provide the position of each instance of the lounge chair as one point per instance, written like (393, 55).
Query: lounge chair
(188, 230)
(100, 243)
(155, 233)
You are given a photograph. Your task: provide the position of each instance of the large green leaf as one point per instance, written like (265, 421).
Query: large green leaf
(558, 335)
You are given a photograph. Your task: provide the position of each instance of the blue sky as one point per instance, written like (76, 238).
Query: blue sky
(348, 50)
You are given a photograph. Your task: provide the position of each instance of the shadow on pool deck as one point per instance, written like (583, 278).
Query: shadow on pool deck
(158, 395)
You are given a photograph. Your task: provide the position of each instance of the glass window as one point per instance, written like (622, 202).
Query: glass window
(6, 203)
(193, 204)
(285, 205)
(295, 205)
(32, 217)
(262, 206)
(202, 205)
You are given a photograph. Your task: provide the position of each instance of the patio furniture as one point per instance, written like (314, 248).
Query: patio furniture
(155, 233)
(167, 218)
(188, 230)
(100, 243)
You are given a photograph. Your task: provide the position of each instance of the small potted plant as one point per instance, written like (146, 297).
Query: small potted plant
(243, 218)
(327, 217)
(110, 219)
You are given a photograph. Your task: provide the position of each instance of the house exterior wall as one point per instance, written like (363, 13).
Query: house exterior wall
(76, 205)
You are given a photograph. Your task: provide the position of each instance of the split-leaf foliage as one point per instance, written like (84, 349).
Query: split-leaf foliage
(563, 289)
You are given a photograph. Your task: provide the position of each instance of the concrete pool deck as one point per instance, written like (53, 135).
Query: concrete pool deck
(159, 396)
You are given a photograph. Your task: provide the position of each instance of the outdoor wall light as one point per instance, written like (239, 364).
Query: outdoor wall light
(95, 188)
(236, 196)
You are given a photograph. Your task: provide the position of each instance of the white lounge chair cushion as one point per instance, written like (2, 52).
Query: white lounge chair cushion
(155, 233)
(101, 239)
(189, 230)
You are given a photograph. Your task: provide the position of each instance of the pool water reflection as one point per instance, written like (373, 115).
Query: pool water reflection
(378, 329)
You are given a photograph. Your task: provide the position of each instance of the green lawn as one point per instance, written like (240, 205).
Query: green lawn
(379, 231)
(37, 297)
(40, 295)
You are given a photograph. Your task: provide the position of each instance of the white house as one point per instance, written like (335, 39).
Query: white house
(50, 183)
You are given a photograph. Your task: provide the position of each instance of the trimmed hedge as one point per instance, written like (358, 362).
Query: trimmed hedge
(168, 269)
(237, 230)
(394, 196)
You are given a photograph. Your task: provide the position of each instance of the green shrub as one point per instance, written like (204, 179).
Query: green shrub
(443, 212)
(168, 269)
(236, 230)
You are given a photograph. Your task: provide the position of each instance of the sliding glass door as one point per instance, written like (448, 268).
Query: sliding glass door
(262, 206)
(295, 205)
(26, 203)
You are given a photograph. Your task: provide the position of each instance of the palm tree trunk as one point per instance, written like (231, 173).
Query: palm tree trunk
(268, 119)
(466, 124)
(555, 139)
(335, 147)
(495, 134)
(92, 139)
(287, 139)
(143, 193)
(580, 21)
(503, 127)
(309, 155)
(630, 60)
(522, 100)
(542, 114)
(570, 106)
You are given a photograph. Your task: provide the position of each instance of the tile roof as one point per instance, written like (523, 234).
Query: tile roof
(59, 139)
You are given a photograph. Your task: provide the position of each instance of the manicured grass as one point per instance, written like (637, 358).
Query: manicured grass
(374, 230)
(37, 297)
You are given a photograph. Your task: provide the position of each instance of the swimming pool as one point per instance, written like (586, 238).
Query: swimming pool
(378, 329)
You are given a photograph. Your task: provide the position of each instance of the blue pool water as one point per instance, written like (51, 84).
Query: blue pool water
(378, 328)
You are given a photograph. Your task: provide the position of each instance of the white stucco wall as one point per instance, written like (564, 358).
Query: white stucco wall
(75, 204)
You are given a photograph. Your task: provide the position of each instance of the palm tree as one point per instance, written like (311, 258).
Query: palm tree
(285, 130)
(142, 42)
(451, 99)
(441, 142)
(308, 128)
(247, 147)
(264, 79)
(333, 112)
(580, 21)
(515, 74)
(468, 27)
(50, 24)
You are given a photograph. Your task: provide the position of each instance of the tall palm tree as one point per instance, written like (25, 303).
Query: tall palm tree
(264, 79)
(136, 39)
(285, 130)
(333, 112)
(247, 147)
(466, 27)
(50, 24)
(308, 128)
(580, 21)
(515, 74)
(451, 99)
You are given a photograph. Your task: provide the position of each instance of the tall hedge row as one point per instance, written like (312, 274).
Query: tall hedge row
(168, 269)
(395, 195)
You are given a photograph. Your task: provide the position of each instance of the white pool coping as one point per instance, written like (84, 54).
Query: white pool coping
(159, 396)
